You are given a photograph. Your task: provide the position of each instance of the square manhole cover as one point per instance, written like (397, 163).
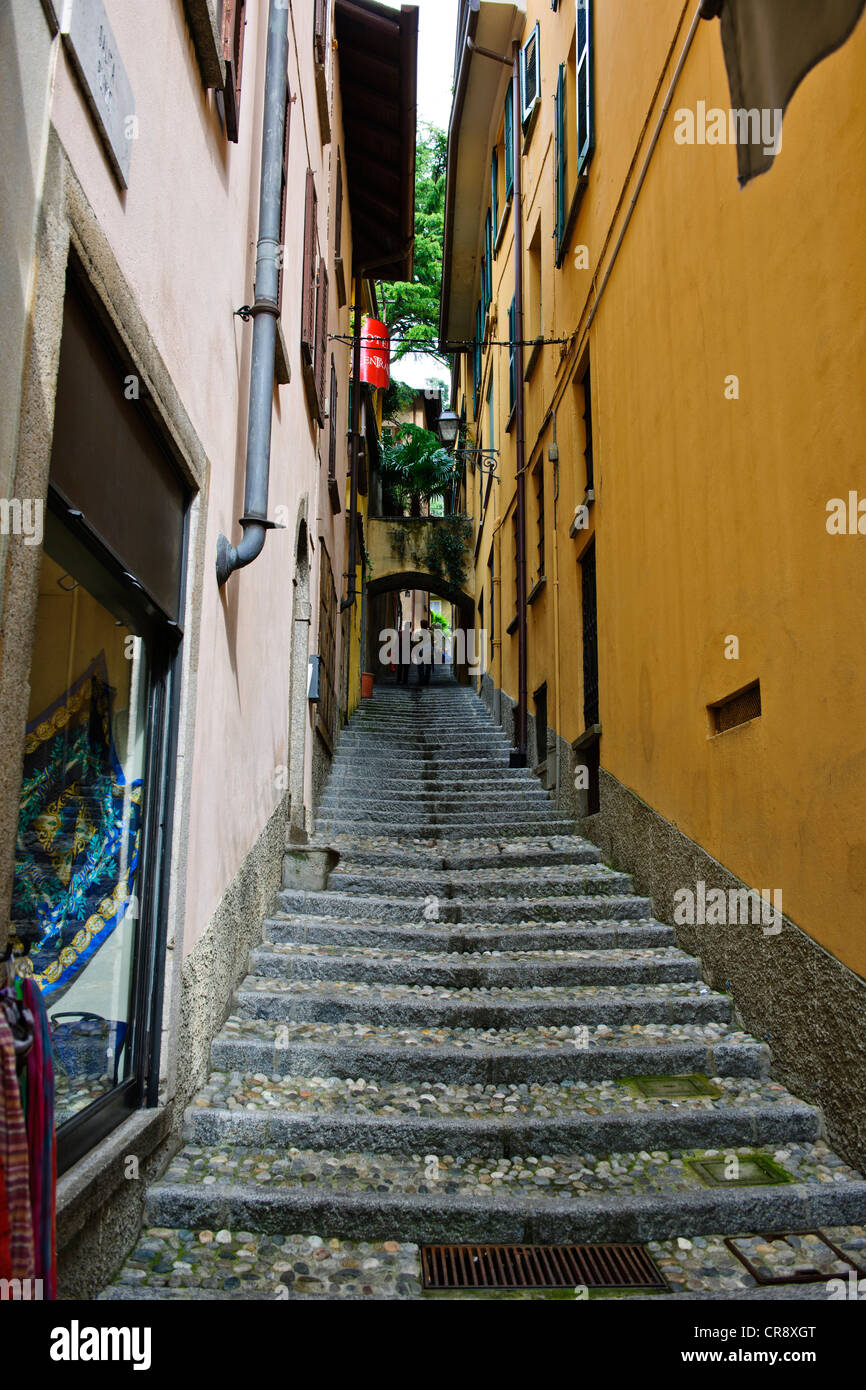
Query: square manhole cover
(739, 1170)
(796, 1257)
(674, 1086)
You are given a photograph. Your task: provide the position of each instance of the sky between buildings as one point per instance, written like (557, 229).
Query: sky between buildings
(436, 33)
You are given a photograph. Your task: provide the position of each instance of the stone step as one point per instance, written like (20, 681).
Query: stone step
(609, 1116)
(651, 1195)
(486, 1056)
(469, 939)
(362, 829)
(426, 1006)
(579, 907)
(396, 861)
(483, 883)
(459, 971)
(433, 798)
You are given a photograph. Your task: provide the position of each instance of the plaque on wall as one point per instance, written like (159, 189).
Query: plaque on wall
(94, 55)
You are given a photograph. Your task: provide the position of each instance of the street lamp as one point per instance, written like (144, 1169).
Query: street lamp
(448, 428)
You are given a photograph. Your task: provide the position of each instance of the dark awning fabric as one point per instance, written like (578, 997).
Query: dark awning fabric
(378, 67)
(769, 47)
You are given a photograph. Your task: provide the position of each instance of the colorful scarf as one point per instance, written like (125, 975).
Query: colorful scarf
(14, 1158)
(39, 1108)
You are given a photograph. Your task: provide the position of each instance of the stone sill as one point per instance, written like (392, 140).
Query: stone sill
(90, 1183)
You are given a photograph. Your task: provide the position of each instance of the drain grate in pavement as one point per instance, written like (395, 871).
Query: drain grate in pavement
(539, 1267)
(791, 1257)
(739, 1170)
(673, 1085)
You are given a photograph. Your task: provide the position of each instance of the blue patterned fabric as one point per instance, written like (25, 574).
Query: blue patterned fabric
(75, 859)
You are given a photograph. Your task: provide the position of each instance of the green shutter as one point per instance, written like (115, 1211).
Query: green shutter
(530, 75)
(512, 358)
(585, 132)
(478, 358)
(488, 261)
(494, 189)
(561, 162)
(509, 141)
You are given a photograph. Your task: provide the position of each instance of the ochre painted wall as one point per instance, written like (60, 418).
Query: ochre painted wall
(710, 518)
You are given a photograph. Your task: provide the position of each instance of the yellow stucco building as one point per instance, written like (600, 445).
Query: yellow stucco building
(677, 387)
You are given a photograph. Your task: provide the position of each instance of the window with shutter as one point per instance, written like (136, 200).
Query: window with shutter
(512, 356)
(585, 131)
(332, 421)
(530, 77)
(320, 20)
(326, 708)
(232, 35)
(321, 337)
(477, 359)
(488, 262)
(494, 188)
(560, 162)
(308, 289)
(509, 142)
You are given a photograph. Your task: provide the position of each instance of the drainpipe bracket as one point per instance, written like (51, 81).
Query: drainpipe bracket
(262, 521)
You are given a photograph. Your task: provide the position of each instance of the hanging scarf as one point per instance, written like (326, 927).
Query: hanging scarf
(5, 1256)
(14, 1158)
(41, 1139)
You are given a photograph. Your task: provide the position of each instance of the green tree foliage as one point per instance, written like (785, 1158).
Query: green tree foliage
(412, 310)
(414, 467)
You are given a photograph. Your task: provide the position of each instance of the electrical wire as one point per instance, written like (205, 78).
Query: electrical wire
(467, 345)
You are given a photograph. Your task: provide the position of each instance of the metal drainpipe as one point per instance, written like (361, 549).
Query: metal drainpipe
(265, 311)
(518, 755)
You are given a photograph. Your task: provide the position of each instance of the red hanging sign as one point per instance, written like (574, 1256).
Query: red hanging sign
(375, 353)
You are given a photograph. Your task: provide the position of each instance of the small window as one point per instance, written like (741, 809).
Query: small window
(736, 709)
(308, 288)
(478, 359)
(320, 21)
(512, 355)
(585, 131)
(530, 76)
(587, 426)
(332, 423)
(560, 162)
(508, 142)
(539, 514)
(232, 35)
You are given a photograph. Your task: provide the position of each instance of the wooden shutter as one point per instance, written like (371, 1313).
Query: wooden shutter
(338, 211)
(488, 261)
(585, 132)
(509, 142)
(320, 21)
(321, 337)
(326, 709)
(232, 36)
(285, 194)
(494, 189)
(560, 161)
(332, 421)
(308, 289)
(512, 359)
(529, 74)
(477, 359)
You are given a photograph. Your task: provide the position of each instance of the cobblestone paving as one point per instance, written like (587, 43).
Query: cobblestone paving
(230, 1264)
(237, 1091)
(398, 1129)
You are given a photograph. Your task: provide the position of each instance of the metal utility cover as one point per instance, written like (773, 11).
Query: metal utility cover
(792, 1257)
(515, 1267)
(755, 1170)
(679, 1086)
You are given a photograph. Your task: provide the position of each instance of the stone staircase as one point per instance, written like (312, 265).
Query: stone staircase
(457, 1041)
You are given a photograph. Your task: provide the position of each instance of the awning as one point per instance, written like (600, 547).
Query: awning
(378, 75)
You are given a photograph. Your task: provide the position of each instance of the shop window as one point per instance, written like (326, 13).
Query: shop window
(88, 892)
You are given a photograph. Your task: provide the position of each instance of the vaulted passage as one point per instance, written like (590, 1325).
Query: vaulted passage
(475, 1032)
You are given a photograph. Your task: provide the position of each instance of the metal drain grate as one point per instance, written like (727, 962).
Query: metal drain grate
(792, 1257)
(539, 1267)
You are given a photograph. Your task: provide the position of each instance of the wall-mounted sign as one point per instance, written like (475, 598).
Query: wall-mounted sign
(94, 55)
(375, 353)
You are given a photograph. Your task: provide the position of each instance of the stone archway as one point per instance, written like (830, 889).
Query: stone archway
(302, 614)
(440, 588)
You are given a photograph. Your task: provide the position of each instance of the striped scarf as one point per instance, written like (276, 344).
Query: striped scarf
(15, 1160)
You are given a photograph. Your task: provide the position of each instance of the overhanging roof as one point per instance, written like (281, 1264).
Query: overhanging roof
(378, 67)
(479, 95)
